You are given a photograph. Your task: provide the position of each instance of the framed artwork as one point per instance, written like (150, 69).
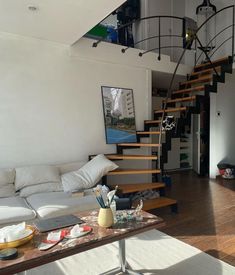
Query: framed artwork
(119, 115)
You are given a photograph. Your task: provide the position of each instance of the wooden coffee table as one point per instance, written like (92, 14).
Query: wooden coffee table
(30, 257)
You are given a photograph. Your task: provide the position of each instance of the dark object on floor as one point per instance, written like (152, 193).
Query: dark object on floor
(227, 171)
(184, 164)
(167, 180)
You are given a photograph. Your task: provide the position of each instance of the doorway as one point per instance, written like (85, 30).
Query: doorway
(201, 138)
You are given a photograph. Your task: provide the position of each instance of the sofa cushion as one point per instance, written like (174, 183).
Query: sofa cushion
(7, 178)
(48, 205)
(41, 188)
(7, 190)
(31, 175)
(89, 175)
(15, 209)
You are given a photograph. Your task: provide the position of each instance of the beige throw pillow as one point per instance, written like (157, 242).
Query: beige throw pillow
(87, 176)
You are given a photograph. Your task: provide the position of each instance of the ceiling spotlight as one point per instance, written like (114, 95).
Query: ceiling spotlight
(32, 8)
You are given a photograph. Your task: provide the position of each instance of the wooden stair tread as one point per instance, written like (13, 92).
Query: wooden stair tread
(206, 78)
(149, 133)
(156, 203)
(133, 157)
(213, 62)
(136, 187)
(192, 89)
(139, 144)
(171, 110)
(152, 121)
(134, 171)
(182, 99)
(206, 71)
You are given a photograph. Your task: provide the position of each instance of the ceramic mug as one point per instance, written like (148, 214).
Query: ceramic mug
(105, 217)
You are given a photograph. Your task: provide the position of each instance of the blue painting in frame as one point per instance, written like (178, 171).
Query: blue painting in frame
(119, 115)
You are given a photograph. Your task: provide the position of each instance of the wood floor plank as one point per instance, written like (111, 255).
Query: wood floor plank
(206, 216)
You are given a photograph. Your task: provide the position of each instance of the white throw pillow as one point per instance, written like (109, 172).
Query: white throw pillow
(41, 188)
(87, 176)
(7, 190)
(32, 175)
(7, 176)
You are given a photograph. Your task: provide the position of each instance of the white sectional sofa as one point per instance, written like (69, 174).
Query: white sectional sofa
(15, 208)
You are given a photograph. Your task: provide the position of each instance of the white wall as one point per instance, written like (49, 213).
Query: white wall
(51, 107)
(111, 53)
(222, 130)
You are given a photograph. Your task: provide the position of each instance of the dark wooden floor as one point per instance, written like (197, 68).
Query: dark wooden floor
(206, 217)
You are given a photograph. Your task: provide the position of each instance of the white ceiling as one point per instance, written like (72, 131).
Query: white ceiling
(63, 21)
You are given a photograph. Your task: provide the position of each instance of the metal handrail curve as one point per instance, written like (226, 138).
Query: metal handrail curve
(157, 36)
(164, 47)
(214, 39)
(225, 41)
(95, 44)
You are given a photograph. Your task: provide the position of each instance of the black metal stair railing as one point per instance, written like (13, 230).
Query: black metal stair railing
(217, 48)
(160, 35)
(196, 39)
(185, 46)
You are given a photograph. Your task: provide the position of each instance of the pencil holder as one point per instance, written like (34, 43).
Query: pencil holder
(105, 217)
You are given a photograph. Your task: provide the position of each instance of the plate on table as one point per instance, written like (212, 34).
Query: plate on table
(86, 230)
(29, 232)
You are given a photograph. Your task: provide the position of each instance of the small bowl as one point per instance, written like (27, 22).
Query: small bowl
(20, 241)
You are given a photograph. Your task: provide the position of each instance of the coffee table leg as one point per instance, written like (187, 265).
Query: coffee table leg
(123, 265)
(122, 255)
